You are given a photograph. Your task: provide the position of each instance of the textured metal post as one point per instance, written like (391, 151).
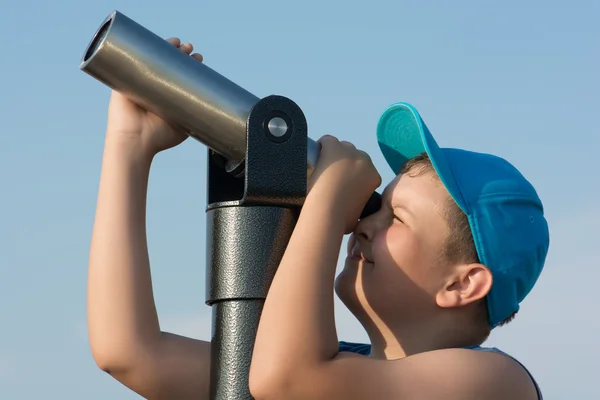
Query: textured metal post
(246, 245)
(249, 223)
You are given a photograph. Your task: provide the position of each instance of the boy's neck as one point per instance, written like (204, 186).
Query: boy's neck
(410, 339)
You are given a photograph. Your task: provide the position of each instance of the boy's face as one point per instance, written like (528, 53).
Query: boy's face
(394, 267)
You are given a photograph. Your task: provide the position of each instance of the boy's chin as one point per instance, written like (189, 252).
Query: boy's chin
(346, 290)
(344, 285)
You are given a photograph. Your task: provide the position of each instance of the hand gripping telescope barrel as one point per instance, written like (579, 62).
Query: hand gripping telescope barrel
(188, 94)
(259, 159)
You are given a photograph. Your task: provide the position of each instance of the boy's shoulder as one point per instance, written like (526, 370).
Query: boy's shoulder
(471, 372)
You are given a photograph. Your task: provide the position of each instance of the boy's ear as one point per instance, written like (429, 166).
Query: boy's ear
(468, 283)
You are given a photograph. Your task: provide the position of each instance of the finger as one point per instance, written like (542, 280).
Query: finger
(174, 41)
(368, 159)
(327, 139)
(347, 145)
(187, 48)
(198, 57)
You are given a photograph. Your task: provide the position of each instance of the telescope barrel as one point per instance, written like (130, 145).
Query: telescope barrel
(144, 67)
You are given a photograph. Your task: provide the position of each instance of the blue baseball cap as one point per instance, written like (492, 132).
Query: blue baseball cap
(504, 211)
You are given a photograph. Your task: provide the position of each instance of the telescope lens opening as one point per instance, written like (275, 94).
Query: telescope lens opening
(97, 41)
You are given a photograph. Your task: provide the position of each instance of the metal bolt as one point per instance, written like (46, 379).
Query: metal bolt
(277, 126)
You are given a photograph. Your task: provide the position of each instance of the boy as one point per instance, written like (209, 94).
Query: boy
(458, 243)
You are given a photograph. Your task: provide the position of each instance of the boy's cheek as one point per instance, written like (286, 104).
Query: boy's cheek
(382, 248)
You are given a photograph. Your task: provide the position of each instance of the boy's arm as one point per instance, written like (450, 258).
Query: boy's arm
(124, 332)
(296, 350)
(297, 331)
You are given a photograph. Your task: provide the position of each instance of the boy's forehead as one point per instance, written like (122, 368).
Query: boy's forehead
(419, 195)
(391, 186)
(404, 184)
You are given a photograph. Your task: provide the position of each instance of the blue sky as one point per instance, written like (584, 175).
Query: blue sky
(519, 79)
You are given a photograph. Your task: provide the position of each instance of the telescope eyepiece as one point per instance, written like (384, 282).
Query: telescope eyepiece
(98, 38)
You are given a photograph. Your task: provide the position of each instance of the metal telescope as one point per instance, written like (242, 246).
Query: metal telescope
(157, 76)
(259, 160)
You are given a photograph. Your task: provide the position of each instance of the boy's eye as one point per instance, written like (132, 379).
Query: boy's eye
(398, 218)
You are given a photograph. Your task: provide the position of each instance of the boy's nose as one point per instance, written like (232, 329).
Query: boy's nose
(360, 242)
(368, 227)
(359, 231)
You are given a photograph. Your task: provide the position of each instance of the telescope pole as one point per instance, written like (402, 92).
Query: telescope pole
(249, 224)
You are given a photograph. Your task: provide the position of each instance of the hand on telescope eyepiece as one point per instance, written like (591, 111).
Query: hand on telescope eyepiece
(344, 179)
(128, 121)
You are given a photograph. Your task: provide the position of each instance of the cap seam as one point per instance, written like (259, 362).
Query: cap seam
(473, 221)
(512, 194)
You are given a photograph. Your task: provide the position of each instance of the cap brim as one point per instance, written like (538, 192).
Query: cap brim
(402, 135)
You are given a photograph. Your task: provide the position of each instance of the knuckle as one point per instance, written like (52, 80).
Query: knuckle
(326, 140)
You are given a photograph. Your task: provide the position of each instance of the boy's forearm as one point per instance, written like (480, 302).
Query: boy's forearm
(121, 309)
(297, 326)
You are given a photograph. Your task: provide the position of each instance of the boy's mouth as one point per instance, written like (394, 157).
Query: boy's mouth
(360, 257)
(355, 252)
